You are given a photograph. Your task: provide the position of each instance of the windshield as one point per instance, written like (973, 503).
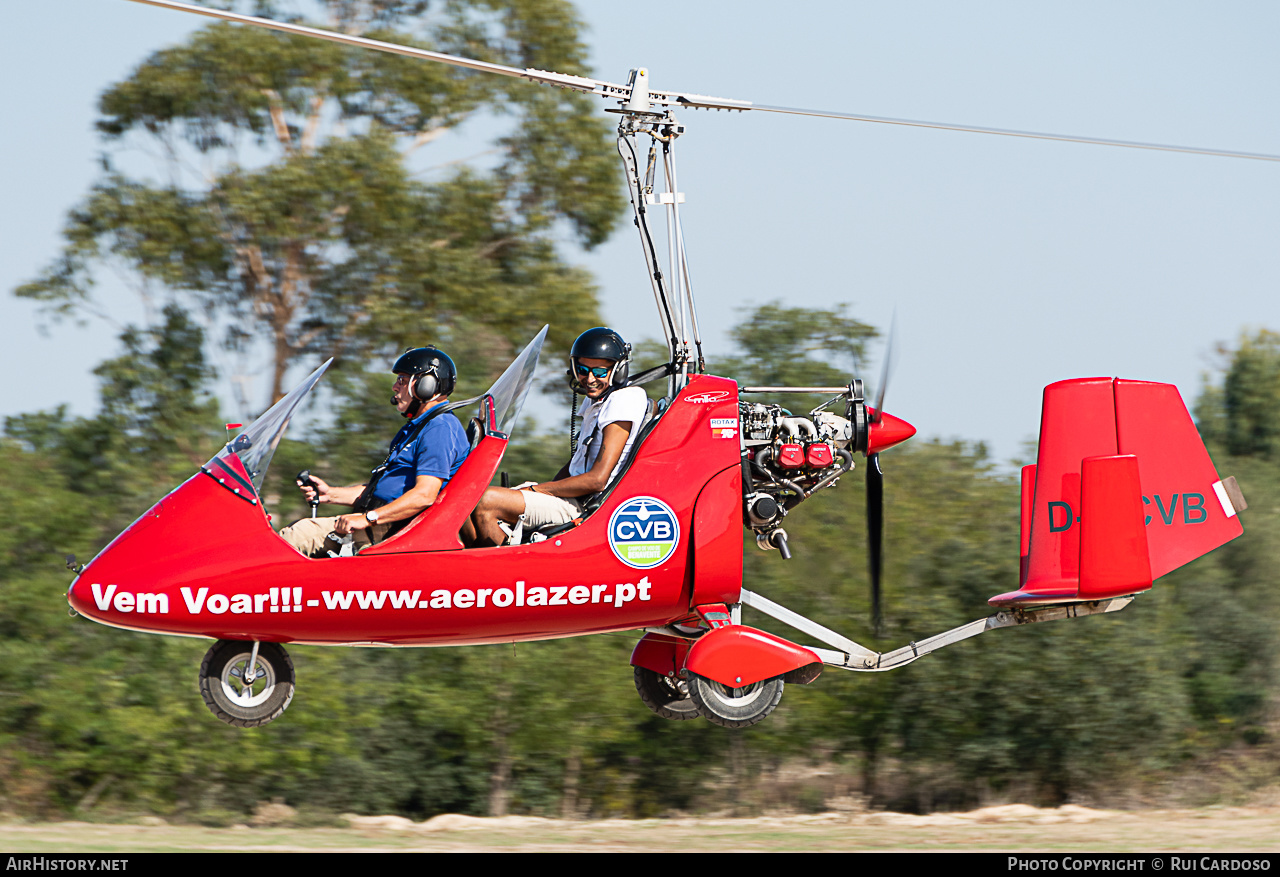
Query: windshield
(509, 391)
(249, 453)
(256, 445)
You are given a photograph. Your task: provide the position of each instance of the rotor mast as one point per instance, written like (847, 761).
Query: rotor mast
(672, 289)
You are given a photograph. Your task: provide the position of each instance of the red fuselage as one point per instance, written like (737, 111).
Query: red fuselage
(204, 561)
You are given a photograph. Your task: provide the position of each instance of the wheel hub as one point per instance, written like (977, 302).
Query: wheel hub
(242, 692)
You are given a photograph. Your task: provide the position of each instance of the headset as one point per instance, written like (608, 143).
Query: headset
(433, 372)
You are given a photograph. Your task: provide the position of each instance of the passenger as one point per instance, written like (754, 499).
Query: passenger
(612, 415)
(424, 455)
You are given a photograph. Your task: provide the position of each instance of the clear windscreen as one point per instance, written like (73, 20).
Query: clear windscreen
(256, 445)
(509, 391)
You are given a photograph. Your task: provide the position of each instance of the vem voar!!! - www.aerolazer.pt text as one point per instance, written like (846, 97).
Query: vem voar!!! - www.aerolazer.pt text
(290, 599)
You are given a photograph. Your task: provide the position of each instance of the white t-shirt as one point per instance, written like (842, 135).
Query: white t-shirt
(627, 405)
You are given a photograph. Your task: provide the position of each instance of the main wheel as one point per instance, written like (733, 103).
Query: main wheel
(734, 707)
(230, 698)
(667, 697)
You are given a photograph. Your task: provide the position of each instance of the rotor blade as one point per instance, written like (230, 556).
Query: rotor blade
(1009, 132)
(604, 89)
(886, 368)
(565, 80)
(875, 536)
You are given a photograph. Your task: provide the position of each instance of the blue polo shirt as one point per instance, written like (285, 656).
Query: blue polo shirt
(438, 450)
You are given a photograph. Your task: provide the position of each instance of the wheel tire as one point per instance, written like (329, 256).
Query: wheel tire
(269, 695)
(734, 707)
(664, 695)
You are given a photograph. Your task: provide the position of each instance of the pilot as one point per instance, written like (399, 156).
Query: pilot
(612, 415)
(424, 455)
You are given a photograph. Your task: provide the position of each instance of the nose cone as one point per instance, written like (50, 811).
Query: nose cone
(128, 551)
(887, 432)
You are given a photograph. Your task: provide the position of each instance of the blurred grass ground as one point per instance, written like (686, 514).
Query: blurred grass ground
(1014, 828)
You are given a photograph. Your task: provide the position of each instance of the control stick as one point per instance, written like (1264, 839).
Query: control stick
(305, 479)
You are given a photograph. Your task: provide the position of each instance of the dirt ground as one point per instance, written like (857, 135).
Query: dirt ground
(1013, 828)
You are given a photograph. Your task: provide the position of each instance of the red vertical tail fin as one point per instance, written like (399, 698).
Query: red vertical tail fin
(1123, 491)
(1185, 512)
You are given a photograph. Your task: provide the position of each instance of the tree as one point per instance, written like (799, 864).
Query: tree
(1251, 396)
(797, 347)
(289, 211)
(157, 423)
(103, 723)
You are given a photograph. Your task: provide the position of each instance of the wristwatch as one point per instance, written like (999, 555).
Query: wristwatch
(371, 516)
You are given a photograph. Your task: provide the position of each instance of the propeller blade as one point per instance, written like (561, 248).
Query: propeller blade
(885, 369)
(875, 537)
(666, 98)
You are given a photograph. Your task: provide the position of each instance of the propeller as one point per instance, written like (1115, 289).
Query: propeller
(875, 537)
(875, 490)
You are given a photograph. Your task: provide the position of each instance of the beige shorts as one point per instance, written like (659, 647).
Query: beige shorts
(310, 536)
(541, 510)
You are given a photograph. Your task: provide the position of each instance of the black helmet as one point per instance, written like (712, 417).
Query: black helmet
(602, 343)
(438, 374)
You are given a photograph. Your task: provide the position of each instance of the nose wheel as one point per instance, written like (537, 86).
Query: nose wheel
(246, 684)
(731, 707)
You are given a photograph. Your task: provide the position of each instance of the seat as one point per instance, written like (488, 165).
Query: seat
(475, 431)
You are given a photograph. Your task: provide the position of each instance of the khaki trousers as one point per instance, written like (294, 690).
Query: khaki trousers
(310, 536)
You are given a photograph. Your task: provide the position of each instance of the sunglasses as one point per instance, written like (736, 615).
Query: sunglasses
(599, 371)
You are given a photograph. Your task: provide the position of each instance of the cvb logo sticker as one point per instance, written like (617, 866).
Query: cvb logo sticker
(643, 532)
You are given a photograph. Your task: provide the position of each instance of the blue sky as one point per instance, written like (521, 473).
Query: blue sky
(1010, 263)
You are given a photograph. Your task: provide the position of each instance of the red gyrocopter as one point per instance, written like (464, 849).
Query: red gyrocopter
(1123, 492)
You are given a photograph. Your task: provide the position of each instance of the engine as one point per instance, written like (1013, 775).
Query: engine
(786, 459)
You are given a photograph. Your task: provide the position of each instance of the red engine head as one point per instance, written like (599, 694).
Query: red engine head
(819, 455)
(791, 456)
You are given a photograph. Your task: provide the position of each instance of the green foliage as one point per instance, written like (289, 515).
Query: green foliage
(798, 347)
(1251, 397)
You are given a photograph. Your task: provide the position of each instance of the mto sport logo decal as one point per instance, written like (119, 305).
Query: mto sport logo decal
(643, 532)
(708, 397)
